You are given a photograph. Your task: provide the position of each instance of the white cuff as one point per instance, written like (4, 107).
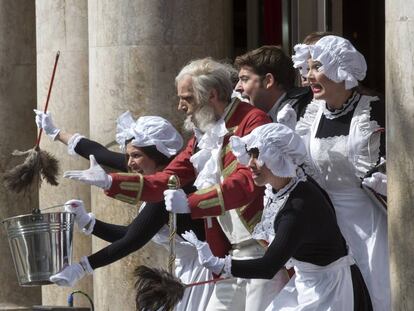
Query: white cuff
(108, 183)
(88, 231)
(227, 267)
(84, 262)
(73, 141)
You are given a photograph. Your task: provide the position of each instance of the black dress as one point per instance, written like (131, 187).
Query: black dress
(306, 230)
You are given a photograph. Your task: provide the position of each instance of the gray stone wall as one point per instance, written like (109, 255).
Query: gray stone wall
(63, 25)
(17, 130)
(400, 149)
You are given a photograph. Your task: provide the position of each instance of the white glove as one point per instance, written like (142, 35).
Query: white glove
(176, 201)
(82, 218)
(94, 175)
(377, 182)
(44, 121)
(287, 116)
(205, 256)
(72, 274)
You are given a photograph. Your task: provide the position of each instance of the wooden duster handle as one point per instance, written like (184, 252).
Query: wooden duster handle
(173, 184)
(48, 96)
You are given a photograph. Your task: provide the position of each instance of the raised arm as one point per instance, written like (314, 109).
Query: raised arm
(103, 155)
(78, 144)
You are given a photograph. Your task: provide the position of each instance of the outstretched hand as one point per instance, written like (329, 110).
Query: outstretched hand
(205, 256)
(94, 175)
(190, 237)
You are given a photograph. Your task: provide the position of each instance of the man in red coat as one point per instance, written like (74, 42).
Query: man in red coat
(226, 196)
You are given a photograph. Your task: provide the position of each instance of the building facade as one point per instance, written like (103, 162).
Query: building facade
(119, 55)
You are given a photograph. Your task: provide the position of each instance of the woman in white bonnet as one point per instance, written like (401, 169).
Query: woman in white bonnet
(149, 143)
(342, 131)
(299, 224)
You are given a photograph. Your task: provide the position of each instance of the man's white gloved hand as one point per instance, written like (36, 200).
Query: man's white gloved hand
(287, 116)
(94, 175)
(176, 201)
(85, 221)
(377, 182)
(205, 256)
(44, 121)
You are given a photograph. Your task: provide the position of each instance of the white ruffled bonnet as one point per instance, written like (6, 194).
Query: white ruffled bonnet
(280, 148)
(148, 131)
(339, 58)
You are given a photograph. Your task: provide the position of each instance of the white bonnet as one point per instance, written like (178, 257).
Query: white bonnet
(339, 58)
(280, 148)
(148, 131)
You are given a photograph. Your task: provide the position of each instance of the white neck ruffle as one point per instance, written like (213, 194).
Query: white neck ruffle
(349, 105)
(206, 160)
(273, 202)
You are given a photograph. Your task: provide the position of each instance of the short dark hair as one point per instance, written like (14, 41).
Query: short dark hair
(269, 59)
(158, 157)
(314, 37)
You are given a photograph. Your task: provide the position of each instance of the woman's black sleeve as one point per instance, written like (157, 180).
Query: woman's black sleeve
(142, 229)
(109, 232)
(288, 237)
(115, 160)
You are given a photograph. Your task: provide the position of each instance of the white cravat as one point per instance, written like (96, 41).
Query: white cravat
(206, 160)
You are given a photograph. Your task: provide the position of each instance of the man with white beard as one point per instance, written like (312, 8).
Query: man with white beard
(226, 195)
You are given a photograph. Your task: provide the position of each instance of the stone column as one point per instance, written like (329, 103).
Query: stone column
(17, 130)
(400, 149)
(136, 47)
(63, 25)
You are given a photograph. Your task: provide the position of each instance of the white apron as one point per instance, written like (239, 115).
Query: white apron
(188, 270)
(317, 288)
(337, 163)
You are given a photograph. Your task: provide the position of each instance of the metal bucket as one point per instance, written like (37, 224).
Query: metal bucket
(41, 245)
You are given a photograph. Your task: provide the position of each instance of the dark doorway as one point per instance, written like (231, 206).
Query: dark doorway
(265, 22)
(364, 26)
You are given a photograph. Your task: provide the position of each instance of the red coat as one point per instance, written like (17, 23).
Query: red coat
(237, 191)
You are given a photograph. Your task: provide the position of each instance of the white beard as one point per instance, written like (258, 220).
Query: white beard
(204, 119)
(189, 125)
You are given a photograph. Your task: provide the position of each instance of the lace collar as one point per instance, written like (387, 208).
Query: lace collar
(347, 107)
(273, 203)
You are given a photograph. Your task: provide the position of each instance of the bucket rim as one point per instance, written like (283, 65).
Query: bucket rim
(31, 215)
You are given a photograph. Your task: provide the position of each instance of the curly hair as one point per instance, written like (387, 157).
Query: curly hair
(208, 74)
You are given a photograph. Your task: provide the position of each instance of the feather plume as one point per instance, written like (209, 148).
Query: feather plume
(156, 289)
(38, 163)
(49, 167)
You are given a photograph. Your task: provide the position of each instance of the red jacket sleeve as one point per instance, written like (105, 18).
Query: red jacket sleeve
(132, 188)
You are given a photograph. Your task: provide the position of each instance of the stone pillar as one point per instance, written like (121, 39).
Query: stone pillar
(63, 25)
(400, 149)
(17, 130)
(136, 48)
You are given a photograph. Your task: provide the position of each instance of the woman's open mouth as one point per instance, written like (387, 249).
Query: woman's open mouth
(316, 88)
